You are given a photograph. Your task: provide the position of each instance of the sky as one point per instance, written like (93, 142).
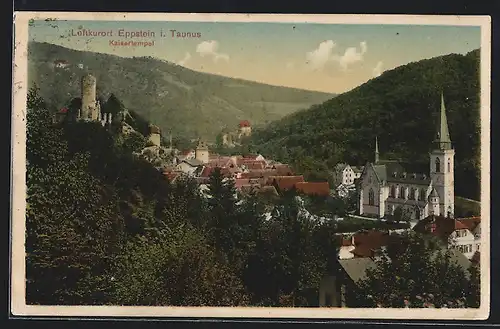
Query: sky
(332, 58)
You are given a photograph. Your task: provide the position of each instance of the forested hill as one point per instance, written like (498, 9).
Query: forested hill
(401, 108)
(187, 102)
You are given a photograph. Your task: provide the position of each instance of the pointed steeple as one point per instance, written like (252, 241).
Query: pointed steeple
(376, 150)
(443, 140)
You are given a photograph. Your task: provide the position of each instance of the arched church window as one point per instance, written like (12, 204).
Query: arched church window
(449, 165)
(422, 195)
(438, 165)
(393, 191)
(371, 197)
(402, 192)
(412, 194)
(417, 213)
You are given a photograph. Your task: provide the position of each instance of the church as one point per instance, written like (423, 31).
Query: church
(385, 185)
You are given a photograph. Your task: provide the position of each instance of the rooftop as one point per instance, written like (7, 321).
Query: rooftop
(313, 188)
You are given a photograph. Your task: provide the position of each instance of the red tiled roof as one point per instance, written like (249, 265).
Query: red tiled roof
(313, 188)
(460, 226)
(252, 164)
(258, 173)
(285, 182)
(283, 170)
(220, 162)
(438, 226)
(373, 239)
(244, 123)
(470, 222)
(207, 171)
(186, 152)
(63, 110)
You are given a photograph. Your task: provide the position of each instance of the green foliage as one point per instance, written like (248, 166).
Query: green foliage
(401, 107)
(134, 142)
(178, 269)
(401, 278)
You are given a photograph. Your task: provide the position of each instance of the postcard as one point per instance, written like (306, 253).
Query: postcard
(250, 166)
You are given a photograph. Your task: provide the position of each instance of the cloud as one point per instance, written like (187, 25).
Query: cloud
(321, 56)
(184, 61)
(210, 49)
(318, 58)
(378, 69)
(352, 55)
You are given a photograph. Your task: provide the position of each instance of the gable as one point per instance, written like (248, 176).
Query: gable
(370, 176)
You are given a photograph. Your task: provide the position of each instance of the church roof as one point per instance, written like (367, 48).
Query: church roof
(443, 140)
(434, 194)
(394, 172)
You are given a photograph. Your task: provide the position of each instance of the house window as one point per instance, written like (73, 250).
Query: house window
(417, 213)
(449, 165)
(433, 227)
(478, 246)
(371, 197)
(438, 165)
(393, 191)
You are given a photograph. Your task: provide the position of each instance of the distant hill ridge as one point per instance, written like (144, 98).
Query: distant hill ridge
(189, 103)
(400, 108)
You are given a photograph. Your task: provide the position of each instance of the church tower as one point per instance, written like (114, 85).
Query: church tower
(442, 165)
(201, 152)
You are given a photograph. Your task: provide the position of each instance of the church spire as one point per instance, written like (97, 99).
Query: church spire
(376, 150)
(443, 140)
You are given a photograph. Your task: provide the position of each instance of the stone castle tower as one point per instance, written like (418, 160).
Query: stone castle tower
(442, 165)
(91, 109)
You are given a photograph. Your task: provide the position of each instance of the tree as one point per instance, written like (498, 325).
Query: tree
(222, 210)
(402, 275)
(177, 267)
(134, 142)
(401, 214)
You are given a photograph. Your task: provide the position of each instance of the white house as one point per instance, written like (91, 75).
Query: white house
(188, 166)
(344, 174)
(462, 234)
(467, 236)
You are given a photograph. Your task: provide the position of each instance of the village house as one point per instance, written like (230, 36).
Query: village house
(189, 166)
(462, 234)
(344, 174)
